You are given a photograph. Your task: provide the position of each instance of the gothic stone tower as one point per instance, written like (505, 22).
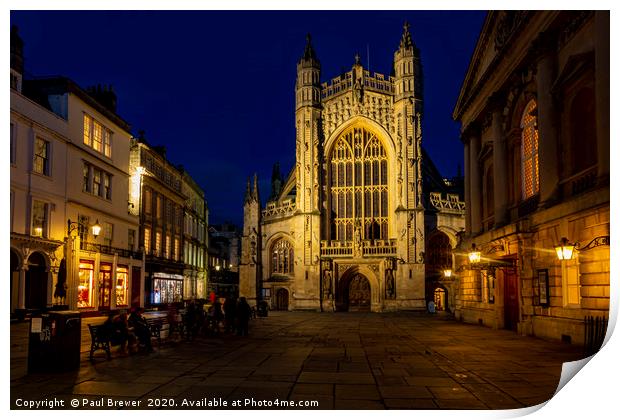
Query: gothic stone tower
(250, 265)
(346, 229)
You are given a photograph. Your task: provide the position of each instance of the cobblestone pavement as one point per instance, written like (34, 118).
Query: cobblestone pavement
(342, 360)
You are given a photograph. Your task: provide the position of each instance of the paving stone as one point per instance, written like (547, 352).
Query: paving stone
(336, 378)
(357, 392)
(358, 405)
(461, 404)
(410, 404)
(314, 389)
(399, 391)
(113, 389)
(430, 381)
(450, 393)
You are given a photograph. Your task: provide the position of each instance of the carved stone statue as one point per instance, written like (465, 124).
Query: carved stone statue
(357, 239)
(390, 289)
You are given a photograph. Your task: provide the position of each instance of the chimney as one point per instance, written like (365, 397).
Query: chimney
(104, 95)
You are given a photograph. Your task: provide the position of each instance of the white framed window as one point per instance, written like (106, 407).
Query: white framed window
(39, 224)
(97, 136)
(571, 283)
(96, 181)
(41, 161)
(108, 230)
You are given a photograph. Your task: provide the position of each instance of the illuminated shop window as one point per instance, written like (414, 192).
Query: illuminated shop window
(122, 281)
(85, 286)
(167, 288)
(529, 151)
(105, 284)
(358, 186)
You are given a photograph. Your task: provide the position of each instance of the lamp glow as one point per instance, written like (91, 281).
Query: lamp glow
(447, 273)
(474, 255)
(96, 229)
(565, 250)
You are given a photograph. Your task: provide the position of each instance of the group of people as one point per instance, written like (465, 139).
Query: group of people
(233, 315)
(133, 332)
(128, 331)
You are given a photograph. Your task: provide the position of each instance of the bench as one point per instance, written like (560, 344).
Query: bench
(155, 326)
(101, 340)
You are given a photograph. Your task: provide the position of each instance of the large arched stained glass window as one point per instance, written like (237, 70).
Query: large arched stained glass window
(282, 257)
(358, 186)
(529, 151)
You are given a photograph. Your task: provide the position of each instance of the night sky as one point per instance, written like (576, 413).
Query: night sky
(217, 88)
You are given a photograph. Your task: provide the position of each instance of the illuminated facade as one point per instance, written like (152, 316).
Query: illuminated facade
(534, 108)
(173, 223)
(346, 229)
(69, 165)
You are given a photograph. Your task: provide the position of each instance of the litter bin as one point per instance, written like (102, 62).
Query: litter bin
(262, 308)
(54, 342)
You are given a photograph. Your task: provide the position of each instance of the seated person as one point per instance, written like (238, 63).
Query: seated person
(141, 328)
(117, 330)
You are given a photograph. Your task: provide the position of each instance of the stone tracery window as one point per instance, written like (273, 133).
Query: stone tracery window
(529, 151)
(358, 187)
(282, 254)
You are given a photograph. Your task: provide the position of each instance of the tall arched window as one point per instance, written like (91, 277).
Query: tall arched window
(529, 151)
(282, 257)
(358, 186)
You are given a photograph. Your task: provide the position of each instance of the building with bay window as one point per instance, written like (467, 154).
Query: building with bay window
(156, 196)
(73, 241)
(534, 109)
(347, 228)
(195, 239)
(173, 223)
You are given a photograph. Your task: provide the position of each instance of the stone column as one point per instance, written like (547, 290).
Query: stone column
(21, 296)
(467, 189)
(500, 166)
(547, 131)
(601, 88)
(475, 183)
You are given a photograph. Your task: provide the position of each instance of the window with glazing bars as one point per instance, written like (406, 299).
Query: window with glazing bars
(358, 186)
(529, 151)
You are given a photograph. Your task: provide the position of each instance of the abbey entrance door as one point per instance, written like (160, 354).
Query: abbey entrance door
(282, 300)
(357, 294)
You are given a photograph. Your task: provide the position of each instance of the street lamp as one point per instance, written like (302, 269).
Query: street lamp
(71, 226)
(474, 255)
(447, 273)
(565, 250)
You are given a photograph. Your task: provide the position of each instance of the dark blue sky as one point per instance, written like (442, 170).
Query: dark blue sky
(217, 88)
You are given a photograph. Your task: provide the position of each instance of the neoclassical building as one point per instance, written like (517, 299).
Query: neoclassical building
(347, 228)
(534, 109)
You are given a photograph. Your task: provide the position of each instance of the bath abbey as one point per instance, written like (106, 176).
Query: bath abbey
(364, 221)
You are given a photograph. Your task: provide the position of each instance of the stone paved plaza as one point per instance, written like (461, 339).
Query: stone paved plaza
(341, 360)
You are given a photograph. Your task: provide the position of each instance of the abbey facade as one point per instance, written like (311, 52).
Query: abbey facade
(349, 227)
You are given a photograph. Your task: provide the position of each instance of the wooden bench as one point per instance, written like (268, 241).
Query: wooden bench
(101, 340)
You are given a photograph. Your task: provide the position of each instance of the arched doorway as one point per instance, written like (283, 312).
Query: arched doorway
(36, 282)
(282, 300)
(440, 299)
(354, 294)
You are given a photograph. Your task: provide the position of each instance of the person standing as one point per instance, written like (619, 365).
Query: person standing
(243, 316)
(229, 314)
